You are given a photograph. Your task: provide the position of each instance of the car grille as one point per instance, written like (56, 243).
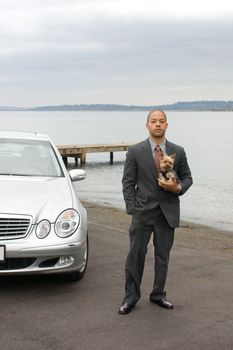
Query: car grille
(14, 226)
(16, 263)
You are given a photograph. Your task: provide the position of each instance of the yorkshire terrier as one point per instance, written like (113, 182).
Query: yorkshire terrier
(166, 167)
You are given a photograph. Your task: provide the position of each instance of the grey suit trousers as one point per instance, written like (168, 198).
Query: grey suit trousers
(139, 234)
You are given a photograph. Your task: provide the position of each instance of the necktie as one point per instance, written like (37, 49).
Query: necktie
(157, 157)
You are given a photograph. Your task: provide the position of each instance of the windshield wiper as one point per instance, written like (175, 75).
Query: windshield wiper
(11, 174)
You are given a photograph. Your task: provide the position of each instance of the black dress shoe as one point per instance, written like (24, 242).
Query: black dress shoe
(162, 303)
(125, 308)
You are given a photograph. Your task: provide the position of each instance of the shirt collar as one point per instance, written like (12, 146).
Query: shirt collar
(162, 145)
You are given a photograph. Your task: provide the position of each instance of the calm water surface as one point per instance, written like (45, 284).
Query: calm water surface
(206, 137)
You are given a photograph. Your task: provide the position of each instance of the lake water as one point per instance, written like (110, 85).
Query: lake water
(206, 137)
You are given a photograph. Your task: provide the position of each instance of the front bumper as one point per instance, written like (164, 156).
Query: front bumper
(57, 258)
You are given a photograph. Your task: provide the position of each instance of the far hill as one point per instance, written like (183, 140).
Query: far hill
(178, 106)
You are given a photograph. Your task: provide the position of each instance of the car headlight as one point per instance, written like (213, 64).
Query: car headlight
(43, 228)
(67, 223)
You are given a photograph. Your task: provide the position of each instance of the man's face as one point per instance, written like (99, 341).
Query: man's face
(157, 124)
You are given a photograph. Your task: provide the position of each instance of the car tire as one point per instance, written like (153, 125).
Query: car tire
(78, 275)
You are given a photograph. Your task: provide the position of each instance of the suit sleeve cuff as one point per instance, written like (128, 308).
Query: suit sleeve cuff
(179, 188)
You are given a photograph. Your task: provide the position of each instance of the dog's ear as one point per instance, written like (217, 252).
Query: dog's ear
(162, 154)
(173, 156)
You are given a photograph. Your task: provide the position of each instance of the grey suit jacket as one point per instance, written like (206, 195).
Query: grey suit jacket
(141, 191)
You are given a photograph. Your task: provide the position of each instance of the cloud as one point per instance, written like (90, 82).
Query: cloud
(114, 51)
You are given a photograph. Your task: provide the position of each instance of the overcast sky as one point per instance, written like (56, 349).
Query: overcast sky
(143, 52)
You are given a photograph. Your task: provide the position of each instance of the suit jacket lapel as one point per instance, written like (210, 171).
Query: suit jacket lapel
(169, 148)
(148, 158)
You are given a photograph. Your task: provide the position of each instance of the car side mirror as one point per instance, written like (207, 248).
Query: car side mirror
(77, 174)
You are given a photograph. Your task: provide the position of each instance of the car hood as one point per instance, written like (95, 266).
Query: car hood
(42, 198)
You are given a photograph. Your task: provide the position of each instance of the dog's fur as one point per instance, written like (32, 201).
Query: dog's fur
(166, 167)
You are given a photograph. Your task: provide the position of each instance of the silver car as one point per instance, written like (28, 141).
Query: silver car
(43, 225)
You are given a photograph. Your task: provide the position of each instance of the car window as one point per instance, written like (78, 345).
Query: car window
(29, 158)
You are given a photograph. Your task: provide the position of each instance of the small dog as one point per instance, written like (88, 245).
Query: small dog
(166, 167)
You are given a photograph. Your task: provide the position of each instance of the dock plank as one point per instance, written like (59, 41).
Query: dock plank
(79, 152)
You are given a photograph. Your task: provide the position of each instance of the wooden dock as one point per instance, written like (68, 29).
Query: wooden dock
(79, 152)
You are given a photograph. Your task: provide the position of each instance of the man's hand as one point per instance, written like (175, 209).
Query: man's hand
(171, 185)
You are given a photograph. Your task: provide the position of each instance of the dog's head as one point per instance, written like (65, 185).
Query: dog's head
(167, 162)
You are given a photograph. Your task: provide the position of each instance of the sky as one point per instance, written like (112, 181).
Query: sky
(131, 52)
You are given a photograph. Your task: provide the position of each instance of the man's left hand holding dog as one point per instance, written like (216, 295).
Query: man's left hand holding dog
(171, 185)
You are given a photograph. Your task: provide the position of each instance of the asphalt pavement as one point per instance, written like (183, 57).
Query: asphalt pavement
(50, 313)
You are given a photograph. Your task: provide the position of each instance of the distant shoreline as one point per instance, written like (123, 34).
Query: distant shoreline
(193, 106)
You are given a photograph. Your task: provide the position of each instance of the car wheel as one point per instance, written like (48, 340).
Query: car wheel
(78, 275)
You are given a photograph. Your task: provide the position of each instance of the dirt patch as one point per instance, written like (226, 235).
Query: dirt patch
(187, 235)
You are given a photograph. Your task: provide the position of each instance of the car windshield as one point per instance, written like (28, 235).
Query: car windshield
(28, 158)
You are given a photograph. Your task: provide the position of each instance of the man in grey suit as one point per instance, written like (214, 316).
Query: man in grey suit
(154, 206)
